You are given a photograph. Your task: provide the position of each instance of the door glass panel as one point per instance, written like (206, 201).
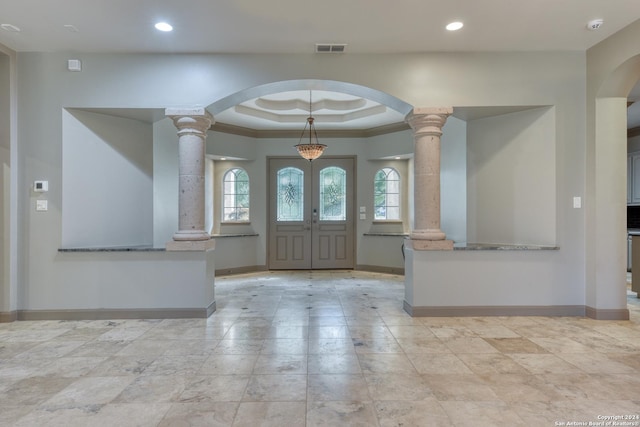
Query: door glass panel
(290, 194)
(333, 187)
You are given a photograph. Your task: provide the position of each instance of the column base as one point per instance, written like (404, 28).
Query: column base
(186, 235)
(431, 245)
(429, 234)
(191, 245)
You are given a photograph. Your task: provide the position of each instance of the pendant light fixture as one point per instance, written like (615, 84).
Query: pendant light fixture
(313, 149)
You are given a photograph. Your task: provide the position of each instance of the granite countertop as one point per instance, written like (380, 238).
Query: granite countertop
(114, 249)
(499, 247)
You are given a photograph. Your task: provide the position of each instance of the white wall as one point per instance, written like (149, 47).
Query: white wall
(108, 181)
(512, 178)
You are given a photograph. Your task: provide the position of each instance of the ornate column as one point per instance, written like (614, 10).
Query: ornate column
(427, 128)
(192, 127)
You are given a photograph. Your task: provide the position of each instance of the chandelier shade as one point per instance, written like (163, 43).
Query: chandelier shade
(313, 149)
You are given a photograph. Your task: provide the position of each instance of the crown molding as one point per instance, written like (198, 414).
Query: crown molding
(334, 133)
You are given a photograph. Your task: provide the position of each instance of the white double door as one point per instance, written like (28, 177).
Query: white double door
(311, 218)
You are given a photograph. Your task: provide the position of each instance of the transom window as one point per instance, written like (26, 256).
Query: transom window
(387, 194)
(235, 200)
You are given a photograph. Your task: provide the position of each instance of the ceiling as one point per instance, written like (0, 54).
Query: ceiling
(296, 26)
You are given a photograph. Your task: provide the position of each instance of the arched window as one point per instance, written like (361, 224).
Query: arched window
(386, 195)
(235, 196)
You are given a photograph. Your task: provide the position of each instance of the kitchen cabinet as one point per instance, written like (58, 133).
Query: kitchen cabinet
(633, 178)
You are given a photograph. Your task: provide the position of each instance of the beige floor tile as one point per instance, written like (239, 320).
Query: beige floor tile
(491, 363)
(276, 388)
(515, 345)
(337, 387)
(482, 414)
(202, 414)
(466, 387)
(438, 364)
(346, 413)
(469, 345)
(215, 388)
(318, 348)
(386, 364)
(544, 364)
(228, 364)
(271, 414)
(333, 364)
(426, 413)
(398, 387)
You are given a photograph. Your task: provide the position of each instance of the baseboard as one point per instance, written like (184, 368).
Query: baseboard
(8, 316)
(607, 313)
(240, 270)
(469, 311)
(107, 314)
(380, 269)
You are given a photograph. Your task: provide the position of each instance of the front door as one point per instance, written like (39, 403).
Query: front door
(311, 213)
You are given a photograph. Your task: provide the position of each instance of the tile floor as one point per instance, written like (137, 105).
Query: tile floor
(319, 349)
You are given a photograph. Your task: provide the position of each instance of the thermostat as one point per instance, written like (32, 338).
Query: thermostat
(41, 186)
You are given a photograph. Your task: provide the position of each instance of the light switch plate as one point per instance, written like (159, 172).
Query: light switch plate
(363, 209)
(42, 205)
(363, 216)
(577, 202)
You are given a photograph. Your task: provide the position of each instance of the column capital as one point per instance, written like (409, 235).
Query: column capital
(190, 120)
(428, 120)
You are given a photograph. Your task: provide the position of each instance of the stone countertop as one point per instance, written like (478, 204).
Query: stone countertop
(387, 234)
(114, 249)
(499, 247)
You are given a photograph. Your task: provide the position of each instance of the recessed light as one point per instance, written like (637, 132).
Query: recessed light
(223, 158)
(163, 26)
(454, 26)
(397, 157)
(71, 28)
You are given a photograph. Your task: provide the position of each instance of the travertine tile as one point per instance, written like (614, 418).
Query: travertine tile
(337, 387)
(345, 413)
(353, 358)
(201, 414)
(270, 414)
(273, 388)
(412, 413)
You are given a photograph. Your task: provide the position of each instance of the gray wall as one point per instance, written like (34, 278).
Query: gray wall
(158, 81)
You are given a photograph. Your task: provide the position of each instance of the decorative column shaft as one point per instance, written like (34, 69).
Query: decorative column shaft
(192, 127)
(427, 126)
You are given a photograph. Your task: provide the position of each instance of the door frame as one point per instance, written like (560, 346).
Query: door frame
(354, 207)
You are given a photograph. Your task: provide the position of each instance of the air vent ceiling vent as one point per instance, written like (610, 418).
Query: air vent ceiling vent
(330, 47)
